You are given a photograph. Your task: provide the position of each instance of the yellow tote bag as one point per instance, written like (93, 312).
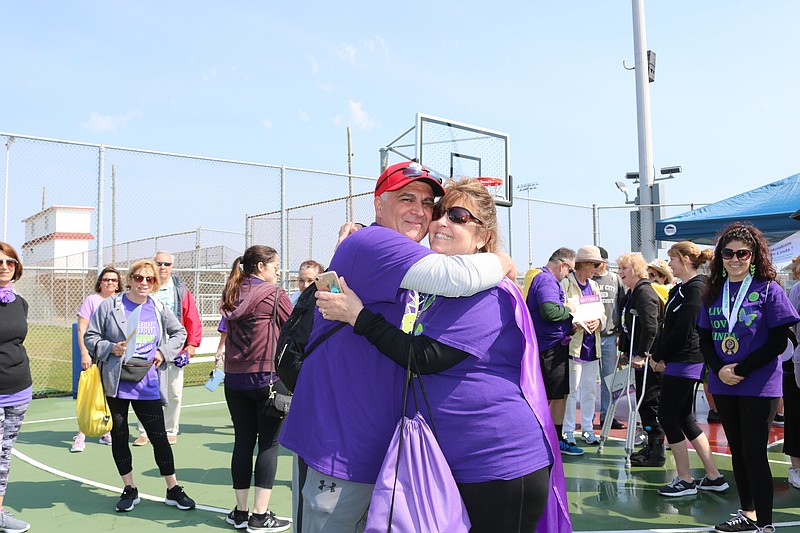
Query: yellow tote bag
(94, 416)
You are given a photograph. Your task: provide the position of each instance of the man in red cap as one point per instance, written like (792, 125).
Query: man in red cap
(347, 400)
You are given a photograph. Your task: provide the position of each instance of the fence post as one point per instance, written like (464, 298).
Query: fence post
(284, 229)
(595, 225)
(76, 360)
(100, 202)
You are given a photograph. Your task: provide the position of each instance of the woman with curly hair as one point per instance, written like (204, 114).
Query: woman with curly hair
(743, 326)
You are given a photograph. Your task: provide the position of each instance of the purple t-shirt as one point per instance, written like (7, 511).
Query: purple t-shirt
(765, 306)
(348, 397)
(546, 288)
(148, 333)
(588, 346)
(90, 305)
(485, 427)
(685, 370)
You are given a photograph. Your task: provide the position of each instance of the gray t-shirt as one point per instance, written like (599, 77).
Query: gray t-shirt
(611, 292)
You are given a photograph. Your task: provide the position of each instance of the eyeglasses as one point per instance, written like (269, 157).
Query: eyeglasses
(652, 275)
(742, 254)
(138, 278)
(10, 263)
(570, 269)
(109, 280)
(414, 170)
(456, 215)
(163, 264)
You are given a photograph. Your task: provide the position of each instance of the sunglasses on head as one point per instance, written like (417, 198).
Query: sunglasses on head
(414, 170)
(742, 254)
(138, 278)
(163, 264)
(457, 215)
(9, 263)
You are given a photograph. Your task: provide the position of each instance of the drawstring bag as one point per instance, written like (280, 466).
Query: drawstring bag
(415, 490)
(94, 416)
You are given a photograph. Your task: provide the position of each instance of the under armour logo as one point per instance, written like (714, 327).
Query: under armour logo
(323, 486)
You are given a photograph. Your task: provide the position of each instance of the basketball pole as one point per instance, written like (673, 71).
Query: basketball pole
(645, 141)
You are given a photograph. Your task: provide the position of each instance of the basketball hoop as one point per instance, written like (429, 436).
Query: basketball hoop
(493, 185)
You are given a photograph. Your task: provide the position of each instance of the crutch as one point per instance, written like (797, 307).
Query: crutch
(612, 409)
(630, 435)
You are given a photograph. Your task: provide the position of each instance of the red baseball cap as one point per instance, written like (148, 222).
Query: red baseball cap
(399, 175)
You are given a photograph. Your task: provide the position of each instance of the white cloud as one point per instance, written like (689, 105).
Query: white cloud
(98, 123)
(314, 64)
(358, 117)
(336, 120)
(267, 123)
(376, 44)
(210, 74)
(303, 116)
(325, 86)
(346, 51)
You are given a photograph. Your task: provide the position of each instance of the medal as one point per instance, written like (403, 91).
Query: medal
(730, 345)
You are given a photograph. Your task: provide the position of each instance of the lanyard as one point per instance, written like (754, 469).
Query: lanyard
(729, 312)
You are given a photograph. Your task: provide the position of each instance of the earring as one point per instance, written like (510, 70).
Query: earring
(724, 273)
(752, 269)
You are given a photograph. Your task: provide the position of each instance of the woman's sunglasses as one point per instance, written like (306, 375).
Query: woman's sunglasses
(9, 263)
(138, 278)
(456, 215)
(742, 254)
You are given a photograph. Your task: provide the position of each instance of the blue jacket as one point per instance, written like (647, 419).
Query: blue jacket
(108, 326)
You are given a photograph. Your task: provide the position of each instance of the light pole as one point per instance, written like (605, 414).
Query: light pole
(528, 187)
(657, 199)
(5, 194)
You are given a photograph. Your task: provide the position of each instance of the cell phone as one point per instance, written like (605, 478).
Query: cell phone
(328, 281)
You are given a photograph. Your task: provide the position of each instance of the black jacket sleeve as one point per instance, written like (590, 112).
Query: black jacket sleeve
(679, 323)
(708, 350)
(648, 306)
(432, 356)
(775, 345)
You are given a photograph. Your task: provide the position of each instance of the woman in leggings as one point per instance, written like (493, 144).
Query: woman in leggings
(676, 353)
(253, 310)
(16, 386)
(744, 325)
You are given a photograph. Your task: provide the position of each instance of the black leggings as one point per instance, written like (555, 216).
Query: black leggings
(151, 414)
(648, 411)
(747, 421)
(250, 424)
(507, 506)
(675, 409)
(791, 413)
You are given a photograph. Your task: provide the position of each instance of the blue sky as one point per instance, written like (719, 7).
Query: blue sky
(278, 82)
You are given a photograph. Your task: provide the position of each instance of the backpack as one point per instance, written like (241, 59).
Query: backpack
(292, 346)
(662, 291)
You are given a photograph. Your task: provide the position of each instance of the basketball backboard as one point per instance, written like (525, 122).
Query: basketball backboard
(456, 149)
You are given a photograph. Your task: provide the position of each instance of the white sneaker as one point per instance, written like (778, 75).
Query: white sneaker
(794, 477)
(569, 436)
(590, 438)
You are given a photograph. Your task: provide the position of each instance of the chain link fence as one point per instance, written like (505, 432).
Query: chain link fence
(134, 203)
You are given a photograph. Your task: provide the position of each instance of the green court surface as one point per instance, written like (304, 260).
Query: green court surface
(56, 490)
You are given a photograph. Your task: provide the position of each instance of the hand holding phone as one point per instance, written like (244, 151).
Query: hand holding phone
(328, 281)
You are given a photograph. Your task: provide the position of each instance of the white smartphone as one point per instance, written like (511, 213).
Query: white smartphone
(328, 281)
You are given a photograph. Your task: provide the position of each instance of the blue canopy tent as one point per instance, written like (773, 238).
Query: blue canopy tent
(769, 208)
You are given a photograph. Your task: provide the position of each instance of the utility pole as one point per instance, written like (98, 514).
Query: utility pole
(646, 171)
(350, 214)
(114, 215)
(9, 142)
(528, 187)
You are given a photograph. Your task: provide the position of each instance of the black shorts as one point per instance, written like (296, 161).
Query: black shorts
(555, 371)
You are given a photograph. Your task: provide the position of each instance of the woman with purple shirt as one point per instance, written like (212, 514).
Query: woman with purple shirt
(482, 379)
(16, 386)
(250, 302)
(743, 326)
(133, 378)
(107, 284)
(676, 353)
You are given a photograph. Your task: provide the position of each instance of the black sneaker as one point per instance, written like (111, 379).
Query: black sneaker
(717, 485)
(678, 487)
(237, 518)
(713, 417)
(266, 523)
(778, 420)
(179, 499)
(129, 498)
(737, 522)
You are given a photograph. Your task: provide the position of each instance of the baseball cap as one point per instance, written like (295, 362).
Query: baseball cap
(399, 175)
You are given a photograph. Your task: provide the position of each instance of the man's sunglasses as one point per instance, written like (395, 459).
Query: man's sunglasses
(414, 170)
(456, 215)
(163, 264)
(138, 278)
(742, 254)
